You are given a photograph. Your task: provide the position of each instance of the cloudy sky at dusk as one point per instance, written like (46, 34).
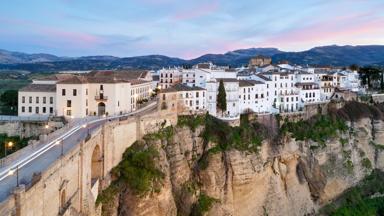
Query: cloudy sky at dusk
(185, 28)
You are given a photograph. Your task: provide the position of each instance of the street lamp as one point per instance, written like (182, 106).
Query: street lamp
(6, 146)
(58, 142)
(11, 172)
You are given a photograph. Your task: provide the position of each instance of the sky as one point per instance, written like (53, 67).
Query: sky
(185, 28)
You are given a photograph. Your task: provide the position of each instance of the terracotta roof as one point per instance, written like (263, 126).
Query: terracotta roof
(56, 77)
(243, 83)
(263, 77)
(203, 66)
(107, 76)
(182, 87)
(138, 82)
(39, 88)
(227, 79)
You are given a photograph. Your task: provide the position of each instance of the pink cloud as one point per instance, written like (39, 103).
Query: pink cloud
(73, 37)
(346, 28)
(200, 11)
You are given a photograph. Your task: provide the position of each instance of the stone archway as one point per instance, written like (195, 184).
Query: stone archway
(63, 199)
(101, 109)
(96, 165)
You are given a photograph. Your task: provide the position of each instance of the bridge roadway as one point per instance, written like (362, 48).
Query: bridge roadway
(42, 158)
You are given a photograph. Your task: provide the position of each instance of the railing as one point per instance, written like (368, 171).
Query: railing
(101, 97)
(23, 118)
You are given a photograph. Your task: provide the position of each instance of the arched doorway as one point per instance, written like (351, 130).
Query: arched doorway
(62, 199)
(96, 167)
(101, 109)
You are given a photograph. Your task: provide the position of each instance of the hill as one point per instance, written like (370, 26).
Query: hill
(326, 55)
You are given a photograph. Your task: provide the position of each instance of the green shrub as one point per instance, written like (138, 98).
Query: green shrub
(246, 137)
(357, 200)
(343, 141)
(191, 121)
(366, 163)
(203, 205)
(319, 128)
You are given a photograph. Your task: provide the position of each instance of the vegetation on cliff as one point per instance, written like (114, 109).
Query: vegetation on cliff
(203, 205)
(319, 128)
(364, 199)
(137, 172)
(246, 137)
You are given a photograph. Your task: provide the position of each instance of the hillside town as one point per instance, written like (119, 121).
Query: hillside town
(261, 87)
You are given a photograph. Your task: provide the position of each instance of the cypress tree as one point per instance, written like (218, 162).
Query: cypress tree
(221, 98)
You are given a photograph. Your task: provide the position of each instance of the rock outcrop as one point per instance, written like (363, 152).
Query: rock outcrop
(290, 178)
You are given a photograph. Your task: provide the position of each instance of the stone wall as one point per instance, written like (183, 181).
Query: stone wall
(28, 129)
(71, 184)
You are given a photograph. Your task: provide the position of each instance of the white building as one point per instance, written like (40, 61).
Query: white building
(95, 93)
(169, 77)
(252, 96)
(308, 87)
(232, 96)
(39, 98)
(183, 99)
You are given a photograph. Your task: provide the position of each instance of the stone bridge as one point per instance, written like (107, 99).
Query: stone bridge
(71, 184)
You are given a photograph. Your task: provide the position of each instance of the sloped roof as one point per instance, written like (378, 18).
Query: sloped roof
(39, 88)
(182, 87)
(243, 83)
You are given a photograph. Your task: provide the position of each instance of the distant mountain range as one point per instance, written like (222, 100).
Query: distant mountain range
(326, 55)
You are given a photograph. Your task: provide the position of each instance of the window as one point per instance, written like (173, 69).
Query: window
(30, 99)
(101, 87)
(51, 100)
(86, 111)
(86, 102)
(37, 110)
(69, 103)
(30, 109)
(197, 94)
(23, 99)
(44, 100)
(37, 99)
(63, 92)
(74, 92)
(22, 109)
(69, 112)
(86, 91)
(44, 109)
(51, 110)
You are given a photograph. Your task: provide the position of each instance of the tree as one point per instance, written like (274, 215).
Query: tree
(369, 75)
(354, 67)
(8, 102)
(222, 98)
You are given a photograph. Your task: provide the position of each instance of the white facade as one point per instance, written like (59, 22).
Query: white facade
(36, 103)
(232, 96)
(77, 96)
(252, 97)
(169, 77)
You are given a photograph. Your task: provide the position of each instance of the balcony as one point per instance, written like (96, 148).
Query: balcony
(101, 98)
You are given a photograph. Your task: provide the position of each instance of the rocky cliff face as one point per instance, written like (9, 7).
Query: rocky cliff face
(289, 178)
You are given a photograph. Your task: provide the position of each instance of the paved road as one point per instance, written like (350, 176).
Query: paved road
(42, 158)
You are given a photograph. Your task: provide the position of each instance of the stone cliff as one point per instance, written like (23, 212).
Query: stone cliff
(285, 177)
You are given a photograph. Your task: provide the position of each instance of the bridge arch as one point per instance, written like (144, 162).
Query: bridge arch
(96, 165)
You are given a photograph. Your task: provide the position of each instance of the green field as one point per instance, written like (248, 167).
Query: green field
(13, 84)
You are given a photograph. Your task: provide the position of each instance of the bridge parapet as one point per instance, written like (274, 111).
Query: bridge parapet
(70, 185)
